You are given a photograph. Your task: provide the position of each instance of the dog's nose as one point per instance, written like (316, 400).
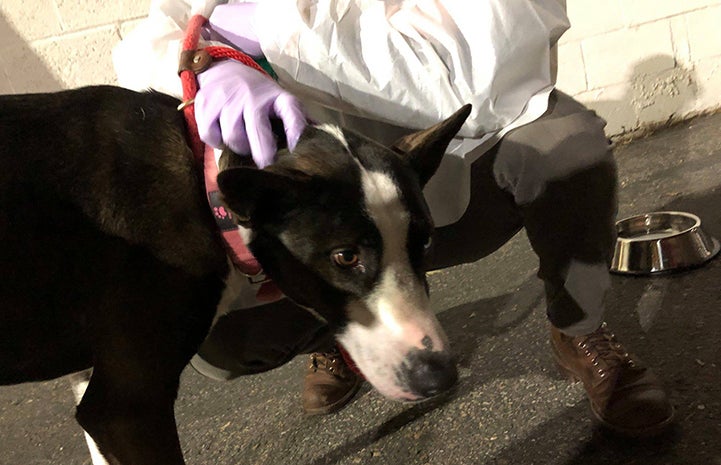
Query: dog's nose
(431, 373)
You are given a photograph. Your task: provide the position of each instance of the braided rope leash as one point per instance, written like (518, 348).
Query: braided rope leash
(192, 62)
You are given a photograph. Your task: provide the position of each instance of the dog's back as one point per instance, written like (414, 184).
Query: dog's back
(102, 221)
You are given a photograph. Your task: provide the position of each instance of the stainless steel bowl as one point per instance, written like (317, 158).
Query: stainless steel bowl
(660, 242)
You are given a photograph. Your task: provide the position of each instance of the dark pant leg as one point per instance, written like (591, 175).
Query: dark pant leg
(556, 177)
(257, 339)
(491, 219)
(562, 175)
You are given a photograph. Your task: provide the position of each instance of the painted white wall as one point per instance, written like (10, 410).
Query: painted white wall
(636, 62)
(643, 62)
(54, 44)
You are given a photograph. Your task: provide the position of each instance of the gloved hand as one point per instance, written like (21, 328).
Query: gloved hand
(234, 106)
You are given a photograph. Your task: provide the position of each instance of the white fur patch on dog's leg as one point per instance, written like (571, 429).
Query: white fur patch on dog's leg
(79, 383)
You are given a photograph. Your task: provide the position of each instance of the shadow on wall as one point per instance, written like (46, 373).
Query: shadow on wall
(652, 98)
(21, 69)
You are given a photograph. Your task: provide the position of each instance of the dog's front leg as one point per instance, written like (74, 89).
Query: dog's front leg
(132, 423)
(79, 384)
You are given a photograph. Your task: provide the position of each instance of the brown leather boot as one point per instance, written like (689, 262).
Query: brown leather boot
(329, 383)
(625, 397)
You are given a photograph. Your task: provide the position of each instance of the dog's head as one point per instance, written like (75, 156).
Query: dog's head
(341, 226)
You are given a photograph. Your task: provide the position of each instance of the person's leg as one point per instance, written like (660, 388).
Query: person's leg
(258, 339)
(561, 174)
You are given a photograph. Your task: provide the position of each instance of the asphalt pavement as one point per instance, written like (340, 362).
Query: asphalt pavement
(510, 406)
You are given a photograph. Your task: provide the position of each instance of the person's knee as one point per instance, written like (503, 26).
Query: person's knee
(257, 339)
(551, 150)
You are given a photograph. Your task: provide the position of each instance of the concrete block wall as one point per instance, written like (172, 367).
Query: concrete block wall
(636, 62)
(641, 63)
(47, 45)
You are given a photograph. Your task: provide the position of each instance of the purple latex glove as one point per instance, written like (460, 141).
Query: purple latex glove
(234, 106)
(235, 103)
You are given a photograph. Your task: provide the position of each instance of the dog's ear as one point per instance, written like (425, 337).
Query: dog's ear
(425, 149)
(256, 195)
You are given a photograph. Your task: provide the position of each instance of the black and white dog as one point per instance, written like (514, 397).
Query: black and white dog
(110, 257)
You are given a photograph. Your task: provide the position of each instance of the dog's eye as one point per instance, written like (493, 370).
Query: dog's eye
(345, 258)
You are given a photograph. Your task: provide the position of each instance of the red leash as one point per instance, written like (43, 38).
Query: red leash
(193, 61)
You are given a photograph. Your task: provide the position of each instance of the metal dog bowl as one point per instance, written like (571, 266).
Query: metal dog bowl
(660, 242)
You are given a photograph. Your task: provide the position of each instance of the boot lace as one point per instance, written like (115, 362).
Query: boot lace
(328, 361)
(605, 351)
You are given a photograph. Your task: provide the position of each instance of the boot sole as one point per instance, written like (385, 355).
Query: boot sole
(645, 432)
(337, 405)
